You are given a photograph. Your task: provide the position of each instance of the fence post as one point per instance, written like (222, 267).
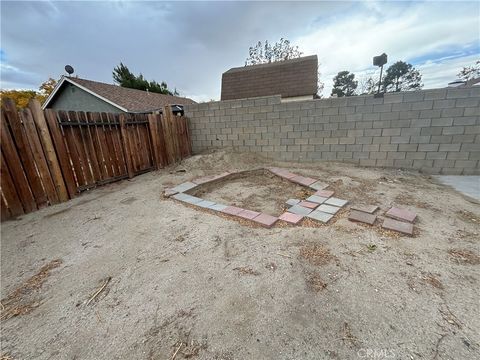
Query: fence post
(64, 161)
(48, 148)
(126, 147)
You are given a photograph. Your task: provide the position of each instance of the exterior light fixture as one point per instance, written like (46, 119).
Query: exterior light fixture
(380, 61)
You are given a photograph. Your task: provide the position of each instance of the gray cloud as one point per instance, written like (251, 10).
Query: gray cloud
(187, 44)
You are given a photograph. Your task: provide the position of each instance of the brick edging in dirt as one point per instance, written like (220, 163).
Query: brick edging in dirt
(320, 207)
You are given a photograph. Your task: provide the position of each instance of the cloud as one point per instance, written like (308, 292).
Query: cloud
(425, 30)
(190, 44)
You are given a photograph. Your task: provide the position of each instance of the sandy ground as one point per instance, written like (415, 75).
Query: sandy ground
(190, 284)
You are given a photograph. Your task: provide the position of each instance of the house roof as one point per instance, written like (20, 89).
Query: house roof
(128, 100)
(295, 77)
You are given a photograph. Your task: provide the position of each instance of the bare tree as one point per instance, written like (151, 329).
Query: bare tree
(263, 53)
(470, 72)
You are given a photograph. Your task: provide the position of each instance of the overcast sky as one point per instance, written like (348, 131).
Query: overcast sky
(190, 44)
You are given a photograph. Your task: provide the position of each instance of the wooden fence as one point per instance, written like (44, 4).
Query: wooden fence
(48, 157)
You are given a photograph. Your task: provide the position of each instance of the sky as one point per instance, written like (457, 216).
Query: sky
(190, 44)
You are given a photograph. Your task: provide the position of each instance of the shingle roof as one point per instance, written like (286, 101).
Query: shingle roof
(131, 99)
(295, 77)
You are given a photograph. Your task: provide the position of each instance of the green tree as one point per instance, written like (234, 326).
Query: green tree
(402, 76)
(470, 72)
(125, 78)
(46, 89)
(263, 53)
(344, 84)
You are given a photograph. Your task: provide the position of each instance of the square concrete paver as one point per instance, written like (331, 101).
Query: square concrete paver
(308, 204)
(336, 202)
(187, 198)
(248, 214)
(328, 209)
(300, 210)
(184, 187)
(365, 208)
(317, 199)
(302, 180)
(291, 218)
(363, 217)
(324, 193)
(291, 202)
(218, 207)
(399, 226)
(266, 220)
(282, 173)
(320, 216)
(205, 204)
(169, 192)
(318, 185)
(401, 214)
(232, 210)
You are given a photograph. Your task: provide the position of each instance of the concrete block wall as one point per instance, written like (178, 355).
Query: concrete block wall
(434, 131)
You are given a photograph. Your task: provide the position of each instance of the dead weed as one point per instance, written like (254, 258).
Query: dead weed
(469, 216)
(315, 282)
(18, 302)
(464, 256)
(245, 270)
(316, 254)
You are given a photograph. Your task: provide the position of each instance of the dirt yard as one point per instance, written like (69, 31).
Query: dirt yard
(123, 273)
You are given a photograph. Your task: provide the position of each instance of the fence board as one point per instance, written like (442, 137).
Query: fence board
(50, 155)
(62, 153)
(24, 151)
(72, 149)
(13, 161)
(39, 156)
(8, 190)
(90, 148)
(126, 146)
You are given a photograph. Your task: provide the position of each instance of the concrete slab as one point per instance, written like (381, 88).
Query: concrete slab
(266, 220)
(291, 218)
(401, 214)
(282, 173)
(248, 214)
(320, 216)
(302, 180)
(291, 202)
(399, 226)
(184, 187)
(308, 204)
(205, 204)
(318, 185)
(336, 202)
(324, 193)
(317, 199)
(328, 209)
(300, 210)
(218, 207)
(466, 185)
(232, 210)
(169, 192)
(363, 217)
(365, 208)
(187, 198)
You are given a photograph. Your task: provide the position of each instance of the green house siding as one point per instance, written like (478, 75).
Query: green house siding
(72, 98)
